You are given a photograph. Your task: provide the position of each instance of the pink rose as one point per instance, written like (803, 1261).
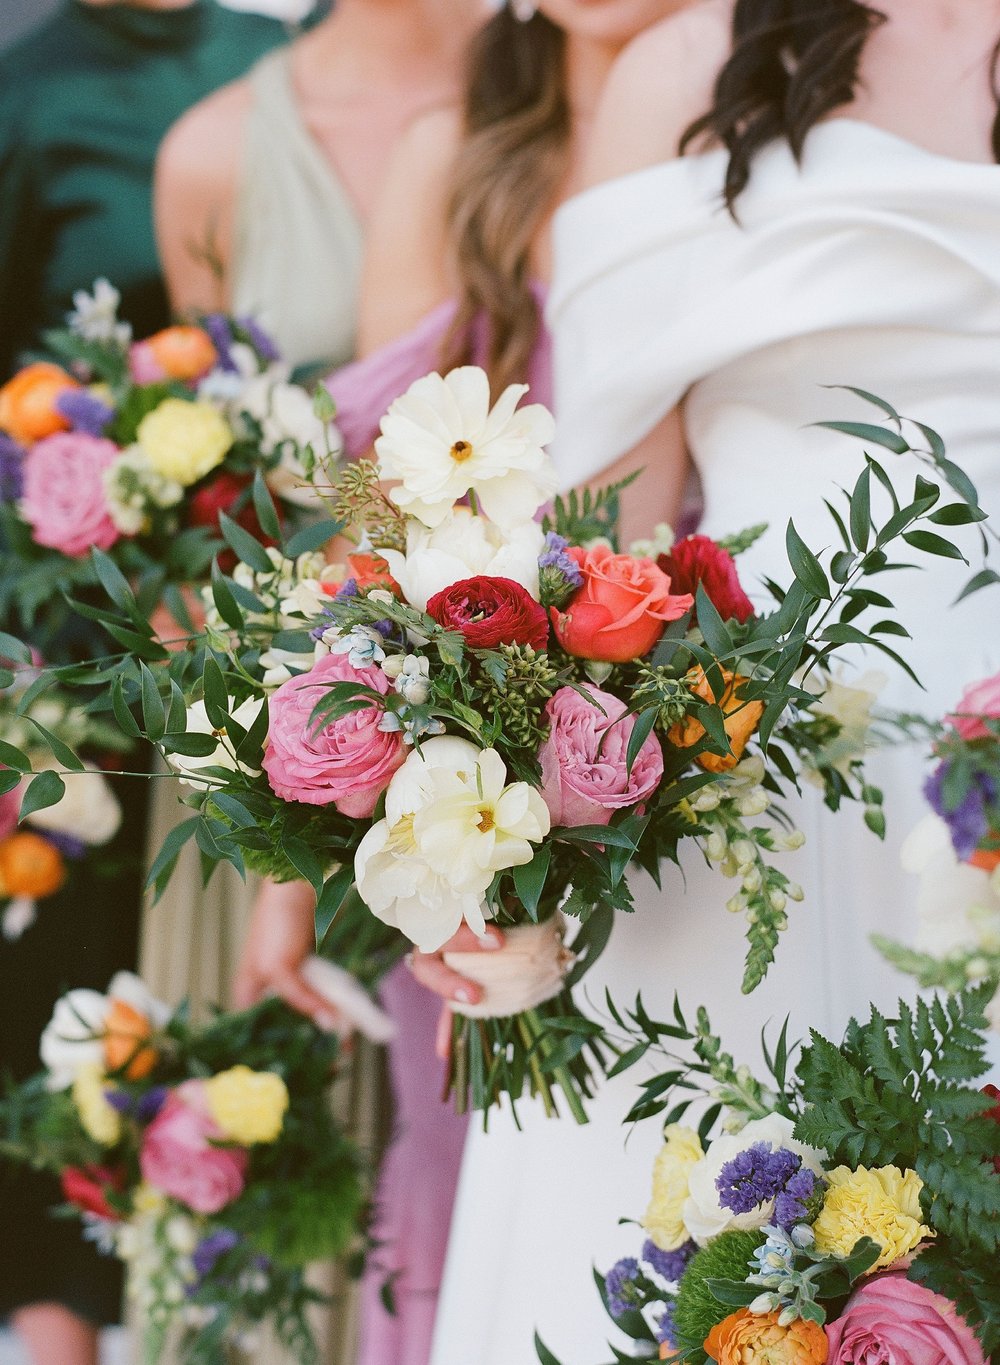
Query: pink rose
(10, 810)
(584, 780)
(347, 763)
(979, 699)
(63, 499)
(891, 1320)
(178, 1156)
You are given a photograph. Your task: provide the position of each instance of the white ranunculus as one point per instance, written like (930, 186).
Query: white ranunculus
(958, 905)
(72, 1037)
(462, 546)
(704, 1217)
(89, 810)
(198, 723)
(442, 440)
(289, 423)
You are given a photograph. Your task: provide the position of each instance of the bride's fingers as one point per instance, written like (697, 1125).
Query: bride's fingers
(442, 1041)
(432, 972)
(289, 984)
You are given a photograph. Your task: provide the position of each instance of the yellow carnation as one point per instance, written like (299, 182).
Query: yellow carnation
(882, 1204)
(184, 440)
(148, 1200)
(100, 1121)
(249, 1106)
(663, 1219)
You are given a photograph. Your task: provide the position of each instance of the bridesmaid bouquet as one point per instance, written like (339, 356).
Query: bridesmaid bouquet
(487, 714)
(956, 853)
(844, 1211)
(204, 1158)
(143, 449)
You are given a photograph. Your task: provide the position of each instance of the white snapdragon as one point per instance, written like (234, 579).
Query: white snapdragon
(410, 676)
(850, 706)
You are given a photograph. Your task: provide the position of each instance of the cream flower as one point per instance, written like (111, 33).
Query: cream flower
(958, 905)
(442, 440)
(462, 546)
(88, 810)
(73, 1036)
(850, 706)
(289, 423)
(664, 1218)
(882, 1204)
(224, 757)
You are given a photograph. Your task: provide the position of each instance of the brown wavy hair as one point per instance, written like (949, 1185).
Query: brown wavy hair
(513, 156)
(792, 63)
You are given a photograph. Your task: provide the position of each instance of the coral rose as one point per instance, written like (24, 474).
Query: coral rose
(490, 612)
(585, 776)
(30, 866)
(179, 1156)
(126, 1031)
(370, 571)
(699, 560)
(746, 1338)
(348, 761)
(183, 353)
(64, 501)
(88, 1188)
(979, 700)
(890, 1320)
(741, 719)
(883, 1204)
(28, 408)
(619, 613)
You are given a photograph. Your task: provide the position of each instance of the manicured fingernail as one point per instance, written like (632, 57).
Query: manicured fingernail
(464, 994)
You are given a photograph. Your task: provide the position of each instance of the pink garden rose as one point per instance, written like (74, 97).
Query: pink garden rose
(892, 1321)
(580, 785)
(178, 1156)
(347, 763)
(978, 699)
(63, 499)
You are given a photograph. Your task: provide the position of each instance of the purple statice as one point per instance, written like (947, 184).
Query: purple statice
(11, 472)
(349, 588)
(791, 1205)
(666, 1332)
(84, 411)
(670, 1265)
(221, 334)
(143, 1108)
(621, 1284)
(755, 1176)
(968, 822)
(68, 844)
(559, 575)
(210, 1248)
(260, 340)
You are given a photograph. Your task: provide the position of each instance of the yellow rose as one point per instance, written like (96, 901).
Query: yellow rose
(184, 440)
(100, 1121)
(882, 1204)
(681, 1150)
(249, 1106)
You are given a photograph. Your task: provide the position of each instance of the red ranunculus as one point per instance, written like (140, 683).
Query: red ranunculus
(491, 612)
(992, 1093)
(87, 1187)
(698, 559)
(217, 495)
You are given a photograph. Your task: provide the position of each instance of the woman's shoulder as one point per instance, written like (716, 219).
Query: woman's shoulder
(206, 142)
(660, 84)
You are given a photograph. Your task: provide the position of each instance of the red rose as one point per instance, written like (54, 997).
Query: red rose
(88, 1186)
(697, 559)
(992, 1093)
(218, 495)
(620, 611)
(491, 612)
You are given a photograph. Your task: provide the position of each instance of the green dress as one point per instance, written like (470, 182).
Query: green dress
(84, 102)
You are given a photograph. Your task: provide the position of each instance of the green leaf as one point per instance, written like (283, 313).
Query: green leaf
(127, 723)
(163, 863)
(545, 1356)
(933, 544)
(11, 757)
(223, 598)
(9, 778)
(959, 481)
(957, 514)
(870, 434)
(984, 579)
(263, 503)
(529, 879)
(641, 731)
(711, 625)
(153, 716)
(805, 566)
(193, 745)
(44, 790)
(60, 751)
(113, 581)
(872, 398)
(215, 693)
(246, 547)
(304, 860)
(313, 537)
(13, 648)
(331, 898)
(861, 510)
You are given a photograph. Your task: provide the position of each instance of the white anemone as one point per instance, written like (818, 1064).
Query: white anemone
(463, 546)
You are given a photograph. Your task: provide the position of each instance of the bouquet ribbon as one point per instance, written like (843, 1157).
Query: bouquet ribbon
(529, 969)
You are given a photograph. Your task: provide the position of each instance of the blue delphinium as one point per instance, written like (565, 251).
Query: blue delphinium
(968, 821)
(669, 1265)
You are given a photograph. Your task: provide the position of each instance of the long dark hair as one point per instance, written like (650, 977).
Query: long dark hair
(792, 62)
(512, 159)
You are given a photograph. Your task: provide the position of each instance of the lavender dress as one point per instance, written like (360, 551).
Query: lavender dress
(417, 1183)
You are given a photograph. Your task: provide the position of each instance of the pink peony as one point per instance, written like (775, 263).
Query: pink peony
(892, 1321)
(585, 780)
(178, 1156)
(978, 699)
(63, 498)
(349, 761)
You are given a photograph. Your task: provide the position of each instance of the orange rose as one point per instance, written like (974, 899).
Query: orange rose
(28, 409)
(619, 612)
(741, 719)
(30, 866)
(181, 353)
(125, 1032)
(746, 1338)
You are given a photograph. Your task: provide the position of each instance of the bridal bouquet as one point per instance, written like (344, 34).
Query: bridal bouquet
(205, 1158)
(143, 449)
(846, 1211)
(955, 851)
(485, 716)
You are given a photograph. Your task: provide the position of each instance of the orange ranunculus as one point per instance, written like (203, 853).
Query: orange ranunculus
(125, 1032)
(182, 353)
(28, 409)
(30, 866)
(986, 858)
(372, 571)
(741, 720)
(619, 612)
(746, 1338)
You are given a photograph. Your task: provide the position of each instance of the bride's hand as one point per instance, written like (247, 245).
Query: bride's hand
(281, 938)
(431, 970)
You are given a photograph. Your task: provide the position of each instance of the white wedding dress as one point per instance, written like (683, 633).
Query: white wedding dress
(875, 264)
